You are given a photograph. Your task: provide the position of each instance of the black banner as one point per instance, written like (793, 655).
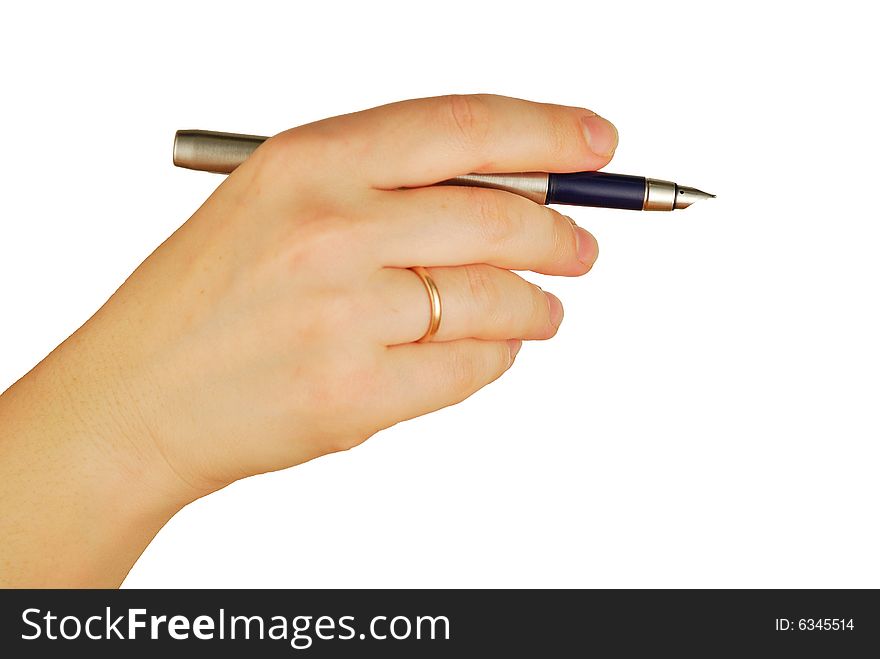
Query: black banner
(419, 623)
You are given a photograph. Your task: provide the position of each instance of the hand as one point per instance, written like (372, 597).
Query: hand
(278, 324)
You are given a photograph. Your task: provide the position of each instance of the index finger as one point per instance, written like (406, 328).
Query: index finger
(420, 142)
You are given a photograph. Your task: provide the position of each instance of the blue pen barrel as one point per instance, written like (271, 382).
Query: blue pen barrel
(597, 189)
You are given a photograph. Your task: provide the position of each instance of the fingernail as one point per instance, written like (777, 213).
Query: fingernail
(513, 345)
(555, 306)
(587, 247)
(601, 135)
(570, 219)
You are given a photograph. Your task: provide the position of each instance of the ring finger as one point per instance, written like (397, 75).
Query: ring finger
(477, 301)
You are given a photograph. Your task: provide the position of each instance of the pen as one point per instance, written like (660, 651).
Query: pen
(221, 153)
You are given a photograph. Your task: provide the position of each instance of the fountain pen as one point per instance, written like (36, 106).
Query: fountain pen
(221, 153)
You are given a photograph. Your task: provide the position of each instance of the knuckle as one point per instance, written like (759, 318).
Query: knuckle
(562, 133)
(469, 116)
(481, 286)
(338, 311)
(329, 235)
(305, 150)
(539, 309)
(328, 316)
(498, 360)
(281, 152)
(339, 374)
(503, 358)
(323, 241)
(346, 442)
(490, 216)
(562, 240)
(463, 371)
(277, 146)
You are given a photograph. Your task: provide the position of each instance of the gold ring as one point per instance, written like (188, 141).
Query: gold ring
(434, 299)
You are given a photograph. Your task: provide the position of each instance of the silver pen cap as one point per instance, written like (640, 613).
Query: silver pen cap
(209, 151)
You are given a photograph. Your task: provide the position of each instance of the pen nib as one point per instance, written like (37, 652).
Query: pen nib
(685, 196)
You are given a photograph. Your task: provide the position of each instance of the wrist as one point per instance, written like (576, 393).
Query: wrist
(108, 410)
(83, 487)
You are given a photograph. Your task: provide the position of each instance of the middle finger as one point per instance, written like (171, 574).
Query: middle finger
(457, 225)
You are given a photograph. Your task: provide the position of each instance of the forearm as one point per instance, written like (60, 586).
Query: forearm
(81, 494)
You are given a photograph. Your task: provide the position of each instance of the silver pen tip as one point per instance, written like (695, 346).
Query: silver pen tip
(685, 196)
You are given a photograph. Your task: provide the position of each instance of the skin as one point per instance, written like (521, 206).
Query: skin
(279, 323)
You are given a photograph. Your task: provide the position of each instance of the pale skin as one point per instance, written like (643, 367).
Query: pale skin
(279, 323)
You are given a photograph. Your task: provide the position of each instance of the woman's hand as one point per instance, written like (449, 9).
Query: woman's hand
(279, 323)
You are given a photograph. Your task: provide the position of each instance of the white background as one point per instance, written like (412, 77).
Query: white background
(708, 413)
